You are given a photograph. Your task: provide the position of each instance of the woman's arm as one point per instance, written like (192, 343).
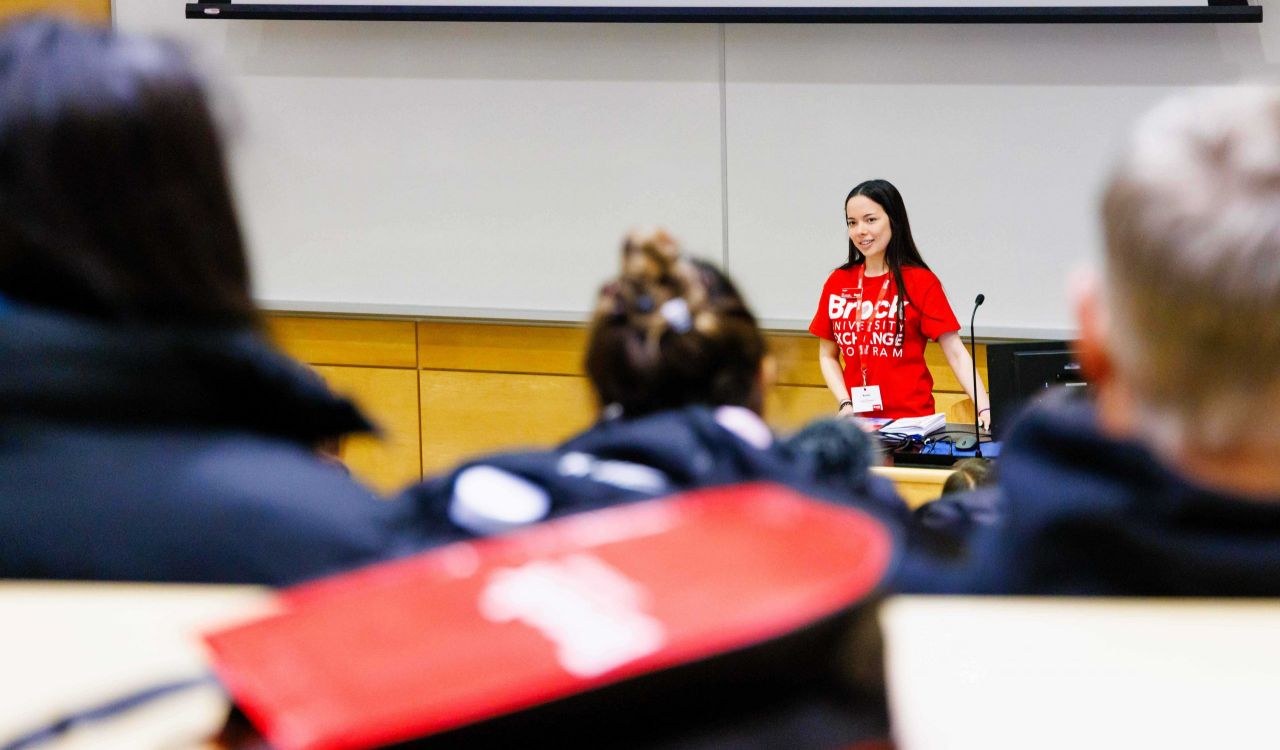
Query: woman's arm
(833, 374)
(962, 365)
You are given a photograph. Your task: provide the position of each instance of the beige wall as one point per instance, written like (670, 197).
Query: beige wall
(445, 391)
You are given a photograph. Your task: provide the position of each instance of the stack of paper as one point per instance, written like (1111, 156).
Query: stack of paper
(916, 426)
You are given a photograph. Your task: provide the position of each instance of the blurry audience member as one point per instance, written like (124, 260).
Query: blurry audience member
(147, 431)
(1169, 484)
(969, 474)
(839, 453)
(679, 368)
(959, 511)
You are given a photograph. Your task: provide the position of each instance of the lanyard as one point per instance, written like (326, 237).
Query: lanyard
(857, 325)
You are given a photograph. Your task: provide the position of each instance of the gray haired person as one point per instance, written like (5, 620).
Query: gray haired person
(1166, 481)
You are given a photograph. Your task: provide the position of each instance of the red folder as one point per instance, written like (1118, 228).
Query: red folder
(477, 630)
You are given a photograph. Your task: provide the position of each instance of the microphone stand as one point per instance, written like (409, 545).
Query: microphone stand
(973, 360)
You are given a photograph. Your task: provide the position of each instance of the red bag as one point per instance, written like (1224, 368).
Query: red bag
(582, 625)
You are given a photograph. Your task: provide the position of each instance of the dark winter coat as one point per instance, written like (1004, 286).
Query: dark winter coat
(1081, 513)
(170, 454)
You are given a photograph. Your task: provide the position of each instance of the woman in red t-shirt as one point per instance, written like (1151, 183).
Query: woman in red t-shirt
(878, 311)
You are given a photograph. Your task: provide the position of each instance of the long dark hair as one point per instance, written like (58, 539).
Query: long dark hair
(902, 246)
(114, 200)
(646, 357)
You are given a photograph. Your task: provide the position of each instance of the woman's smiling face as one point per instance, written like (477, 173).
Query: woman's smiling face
(868, 225)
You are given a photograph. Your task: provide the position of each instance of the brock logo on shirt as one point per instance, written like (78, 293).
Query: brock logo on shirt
(881, 337)
(841, 307)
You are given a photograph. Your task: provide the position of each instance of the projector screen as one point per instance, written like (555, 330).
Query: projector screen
(743, 11)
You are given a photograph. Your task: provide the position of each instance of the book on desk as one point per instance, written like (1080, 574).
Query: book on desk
(915, 426)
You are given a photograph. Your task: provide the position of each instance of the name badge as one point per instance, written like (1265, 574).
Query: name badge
(866, 398)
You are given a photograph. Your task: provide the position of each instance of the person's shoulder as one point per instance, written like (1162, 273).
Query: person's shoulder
(196, 505)
(178, 461)
(840, 276)
(919, 276)
(232, 476)
(1069, 490)
(1056, 464)
(257, 467)
(1057, 420)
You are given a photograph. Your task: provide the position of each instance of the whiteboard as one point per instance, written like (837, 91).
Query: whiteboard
(489, 170)
(463, 170)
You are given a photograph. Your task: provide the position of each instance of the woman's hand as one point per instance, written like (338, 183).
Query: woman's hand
(846, 410)
(984, 420)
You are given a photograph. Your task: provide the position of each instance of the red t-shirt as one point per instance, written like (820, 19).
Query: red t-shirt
(894, 360)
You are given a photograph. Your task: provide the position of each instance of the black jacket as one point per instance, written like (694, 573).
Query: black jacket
(167, 454)
(1084, 514)
(624, 460)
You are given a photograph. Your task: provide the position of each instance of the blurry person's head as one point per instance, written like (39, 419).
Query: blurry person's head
(114, 200)
(969, 474)
(671, 331)
(839, 450)
(1181, 334)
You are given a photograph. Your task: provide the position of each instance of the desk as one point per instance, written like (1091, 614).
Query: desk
(987, 673)
(70, 646)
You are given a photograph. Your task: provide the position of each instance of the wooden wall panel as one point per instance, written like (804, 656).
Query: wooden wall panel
(465, 414)
(502, 348)
(449, 391)
(330, 341)
(98, 11)
(917, 486)
(943, 378)
(797, 358)
(390, 398)
(787, 408)
(957, 406)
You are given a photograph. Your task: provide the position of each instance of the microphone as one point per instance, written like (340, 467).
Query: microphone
(973, 360)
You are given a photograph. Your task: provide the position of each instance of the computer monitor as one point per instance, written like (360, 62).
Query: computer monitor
(1020, 372)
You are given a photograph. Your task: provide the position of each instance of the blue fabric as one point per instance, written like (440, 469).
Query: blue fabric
(165, 454)
(962, 513)
(1084, 514)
